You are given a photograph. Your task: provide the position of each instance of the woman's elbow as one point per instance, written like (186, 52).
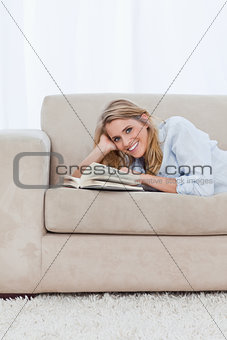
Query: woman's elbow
(205, 189)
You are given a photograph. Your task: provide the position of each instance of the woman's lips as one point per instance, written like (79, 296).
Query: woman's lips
(134, 148)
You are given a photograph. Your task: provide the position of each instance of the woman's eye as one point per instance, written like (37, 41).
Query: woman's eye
(115, 140)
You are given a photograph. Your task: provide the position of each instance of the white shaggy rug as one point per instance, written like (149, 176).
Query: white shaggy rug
(113, 316)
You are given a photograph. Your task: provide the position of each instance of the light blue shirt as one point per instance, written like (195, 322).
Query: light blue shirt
(190, 156)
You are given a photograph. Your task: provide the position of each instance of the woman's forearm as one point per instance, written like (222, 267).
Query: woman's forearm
(165, 184)
(96, 155)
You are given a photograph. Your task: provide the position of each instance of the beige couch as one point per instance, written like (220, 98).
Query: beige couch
(121, 241)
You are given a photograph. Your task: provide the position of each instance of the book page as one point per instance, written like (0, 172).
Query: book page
(71, 181)
(102, 172)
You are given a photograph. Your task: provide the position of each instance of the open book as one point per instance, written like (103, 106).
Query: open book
(102, 177)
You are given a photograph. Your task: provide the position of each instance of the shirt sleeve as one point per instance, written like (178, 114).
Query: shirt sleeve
(192, 149)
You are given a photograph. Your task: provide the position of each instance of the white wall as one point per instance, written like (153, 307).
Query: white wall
(106, 46)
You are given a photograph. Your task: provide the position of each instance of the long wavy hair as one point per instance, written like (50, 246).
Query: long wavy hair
(125, 109)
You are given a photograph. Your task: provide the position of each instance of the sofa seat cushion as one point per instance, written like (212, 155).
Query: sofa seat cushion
(70, 210)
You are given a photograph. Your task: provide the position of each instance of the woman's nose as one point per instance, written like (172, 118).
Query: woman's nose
(126, 142)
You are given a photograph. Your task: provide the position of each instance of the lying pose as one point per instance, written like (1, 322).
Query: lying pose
(173, 156)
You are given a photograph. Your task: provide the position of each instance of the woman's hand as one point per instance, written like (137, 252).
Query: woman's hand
(125, 169)
(105, 144)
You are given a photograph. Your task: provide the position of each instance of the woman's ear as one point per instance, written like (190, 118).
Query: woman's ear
(145, 119)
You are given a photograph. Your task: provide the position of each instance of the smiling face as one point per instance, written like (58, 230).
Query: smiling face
(129, 135)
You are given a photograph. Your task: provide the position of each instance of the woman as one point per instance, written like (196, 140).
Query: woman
(173, 156)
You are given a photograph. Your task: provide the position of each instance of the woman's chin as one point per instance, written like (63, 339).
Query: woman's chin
(139, 154)
(136, 154)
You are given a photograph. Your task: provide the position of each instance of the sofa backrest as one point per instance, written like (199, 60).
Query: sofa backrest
(70, 120)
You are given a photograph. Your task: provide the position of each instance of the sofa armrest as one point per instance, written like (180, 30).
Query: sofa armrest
(22, 209)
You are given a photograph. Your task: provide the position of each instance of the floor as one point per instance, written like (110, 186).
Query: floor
(149, 315)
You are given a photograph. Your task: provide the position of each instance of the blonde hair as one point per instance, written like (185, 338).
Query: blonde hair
(125, 109)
